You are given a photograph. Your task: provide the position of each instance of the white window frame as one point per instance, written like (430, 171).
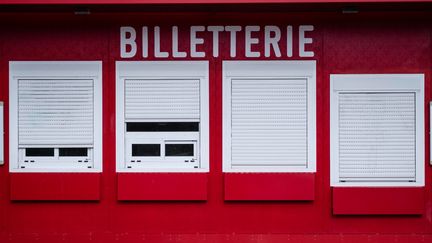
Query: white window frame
(159, 70)
(163, 138)
(56, 160)
(385, 83)
(270, 69)
(60, 70)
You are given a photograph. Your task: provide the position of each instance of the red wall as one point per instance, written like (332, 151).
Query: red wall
(362, 43)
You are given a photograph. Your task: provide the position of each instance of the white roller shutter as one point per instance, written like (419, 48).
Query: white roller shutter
(269, 122)
(55, 112)
(162, 99)
(377, 136)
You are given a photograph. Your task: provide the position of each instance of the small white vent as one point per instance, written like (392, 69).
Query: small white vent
(377, 136)
(55, 112)
(162, 99)
(269, 122)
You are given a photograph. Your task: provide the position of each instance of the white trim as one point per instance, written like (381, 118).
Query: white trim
(62, 70)
(160, 70)
(162, 138)
(269, 69)
(56, 161)
(385, 83)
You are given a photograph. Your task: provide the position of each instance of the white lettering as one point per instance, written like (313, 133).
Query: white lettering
(272, 42)
(145, 41)
(233, 37)
(249, 41)
(215, 30)
(127, 39)
(289, 41)
(259, 41)
(303, 41)
(194, 41)
(157, 51)
(175, 51)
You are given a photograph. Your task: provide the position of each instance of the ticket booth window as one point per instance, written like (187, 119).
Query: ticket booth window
(377, 130)
(55, 116)
(162, 116)
(269, 116)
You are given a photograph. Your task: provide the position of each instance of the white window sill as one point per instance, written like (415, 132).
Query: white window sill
(55, 170)
(170, 170)
(270, 169)
(377, 184)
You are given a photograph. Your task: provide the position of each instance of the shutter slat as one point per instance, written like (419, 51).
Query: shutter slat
(162, 99)
(55, 112)
(269, 122)
(377, 136)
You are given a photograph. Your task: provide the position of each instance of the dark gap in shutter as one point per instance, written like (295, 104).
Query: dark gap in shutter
(162, 126)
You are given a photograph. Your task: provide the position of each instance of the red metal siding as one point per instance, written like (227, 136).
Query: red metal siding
(55, 186)
(162, 186)
(378, 201)
(269, 186)
(364, 43)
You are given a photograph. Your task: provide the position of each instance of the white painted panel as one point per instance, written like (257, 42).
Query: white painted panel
(269, 122)
(55, 112)
(162, 99)
(377, 136)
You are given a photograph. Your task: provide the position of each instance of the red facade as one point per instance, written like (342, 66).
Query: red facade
(214, 206)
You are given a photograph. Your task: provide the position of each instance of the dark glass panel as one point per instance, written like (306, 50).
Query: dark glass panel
(145, 150)
(179, 150)
(73, 152)
(39, 152)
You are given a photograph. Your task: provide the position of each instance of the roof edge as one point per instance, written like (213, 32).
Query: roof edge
(167, 2)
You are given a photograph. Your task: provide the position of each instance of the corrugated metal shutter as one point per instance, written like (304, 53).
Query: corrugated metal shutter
(55, 112)
(377, 136)
(269, 122)
(162, 99)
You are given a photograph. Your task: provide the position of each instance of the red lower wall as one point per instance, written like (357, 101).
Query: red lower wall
(162, 186)
(378, 201)
(55, 186)
(381, 42)
(269, 186)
